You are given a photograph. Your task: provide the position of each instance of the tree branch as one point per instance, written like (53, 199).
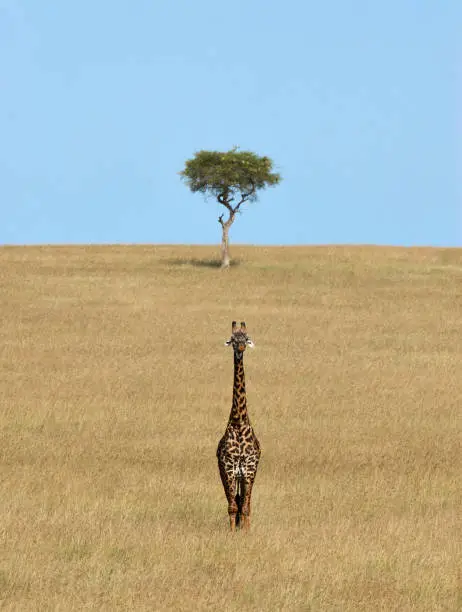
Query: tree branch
(223, 199)
(244, 196)
(228, 221)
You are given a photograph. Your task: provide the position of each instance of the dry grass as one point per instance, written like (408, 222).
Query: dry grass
(116, 388)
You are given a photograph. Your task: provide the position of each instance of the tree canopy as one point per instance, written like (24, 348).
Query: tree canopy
(230, 174)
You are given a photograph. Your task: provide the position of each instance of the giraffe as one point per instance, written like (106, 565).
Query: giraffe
(238, 451)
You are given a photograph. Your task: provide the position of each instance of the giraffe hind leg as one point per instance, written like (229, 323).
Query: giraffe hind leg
(239, 501)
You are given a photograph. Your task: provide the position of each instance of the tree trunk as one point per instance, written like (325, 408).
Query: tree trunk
(225, 259)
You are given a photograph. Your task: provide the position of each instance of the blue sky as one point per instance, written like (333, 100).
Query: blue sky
(358, 103)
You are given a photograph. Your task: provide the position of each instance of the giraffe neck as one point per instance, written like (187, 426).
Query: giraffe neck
(239, 410)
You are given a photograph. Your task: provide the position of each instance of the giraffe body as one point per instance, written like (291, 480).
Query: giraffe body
(238, 451)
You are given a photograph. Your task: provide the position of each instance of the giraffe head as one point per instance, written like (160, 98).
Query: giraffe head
(239, 339)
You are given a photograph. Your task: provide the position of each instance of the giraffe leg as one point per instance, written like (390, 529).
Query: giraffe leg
(232, 507)
(246, 504)
(230, 487)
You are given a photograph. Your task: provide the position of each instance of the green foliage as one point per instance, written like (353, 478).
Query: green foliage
(225, 175)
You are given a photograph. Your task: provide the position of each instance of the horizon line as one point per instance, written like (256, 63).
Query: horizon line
(234, 244)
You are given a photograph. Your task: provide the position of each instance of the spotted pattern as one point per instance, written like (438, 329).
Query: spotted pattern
(238, 451)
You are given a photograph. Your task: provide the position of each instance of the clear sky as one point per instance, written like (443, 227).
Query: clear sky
(358, 102)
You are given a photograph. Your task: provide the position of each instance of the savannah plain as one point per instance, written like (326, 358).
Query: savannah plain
(116, 386)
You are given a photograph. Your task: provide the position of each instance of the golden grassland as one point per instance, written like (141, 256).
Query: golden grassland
(116, 387)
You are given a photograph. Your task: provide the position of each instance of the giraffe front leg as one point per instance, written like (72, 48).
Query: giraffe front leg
(230, 487)
(246, 504)
(232, 505)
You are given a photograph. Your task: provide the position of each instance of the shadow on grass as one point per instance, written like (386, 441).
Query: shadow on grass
(200, 263)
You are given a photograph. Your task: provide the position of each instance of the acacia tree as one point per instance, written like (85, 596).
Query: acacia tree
(233, 178)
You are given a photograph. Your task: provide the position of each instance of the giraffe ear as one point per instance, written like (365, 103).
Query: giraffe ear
(250, 343)
(228, 342)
